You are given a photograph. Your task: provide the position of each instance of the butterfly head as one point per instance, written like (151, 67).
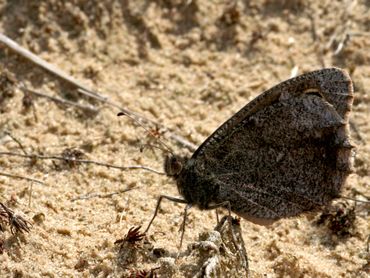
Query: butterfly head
(174, 164)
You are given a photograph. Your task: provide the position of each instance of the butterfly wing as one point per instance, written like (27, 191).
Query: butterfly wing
(284, 153)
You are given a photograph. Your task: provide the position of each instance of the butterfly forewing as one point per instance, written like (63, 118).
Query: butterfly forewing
(284, 153)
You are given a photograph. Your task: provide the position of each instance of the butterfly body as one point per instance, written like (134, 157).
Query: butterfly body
(286, 152)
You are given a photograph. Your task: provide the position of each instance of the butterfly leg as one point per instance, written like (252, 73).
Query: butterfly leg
(173, 199)
(242, 252)
(188, 206)
(217, 217)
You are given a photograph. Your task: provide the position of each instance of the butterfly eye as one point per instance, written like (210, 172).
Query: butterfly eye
(173, 165)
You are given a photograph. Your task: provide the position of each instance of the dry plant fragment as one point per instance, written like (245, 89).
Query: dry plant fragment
(1, 246)
(144, 273)
(16, 222)
(129, 248)
(21, 177)
(7, 84)
(133, 236)
(34, 158)
(84, 90)
(340, 219)
(27, 101)
(30, 93)
(231, 14)
(72, 156)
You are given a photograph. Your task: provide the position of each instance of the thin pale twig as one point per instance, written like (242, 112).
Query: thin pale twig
(52, 157)
(47, 66)
(16, 140)
(313, 26)
(62, 101)
(20, 177)
(84, 89)
(100, 195)
(345, 39)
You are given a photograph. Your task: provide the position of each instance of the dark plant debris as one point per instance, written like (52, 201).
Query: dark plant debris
(71, 155)
(144, 273)
(133, 236)
(16, 222)
(231, 14)
(339, 219)
(2, 248)
(27, 101)
(129, 249)
(8, 83)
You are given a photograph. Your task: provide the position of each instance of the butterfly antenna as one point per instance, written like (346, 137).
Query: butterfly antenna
(166, 147)
(152, 146)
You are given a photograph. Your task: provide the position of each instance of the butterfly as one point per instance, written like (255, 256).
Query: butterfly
(286, 152)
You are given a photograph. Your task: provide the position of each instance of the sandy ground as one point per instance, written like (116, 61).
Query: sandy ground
(188, 65)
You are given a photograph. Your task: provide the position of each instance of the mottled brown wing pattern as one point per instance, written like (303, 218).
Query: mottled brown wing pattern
(333, 84)
(286, 152)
